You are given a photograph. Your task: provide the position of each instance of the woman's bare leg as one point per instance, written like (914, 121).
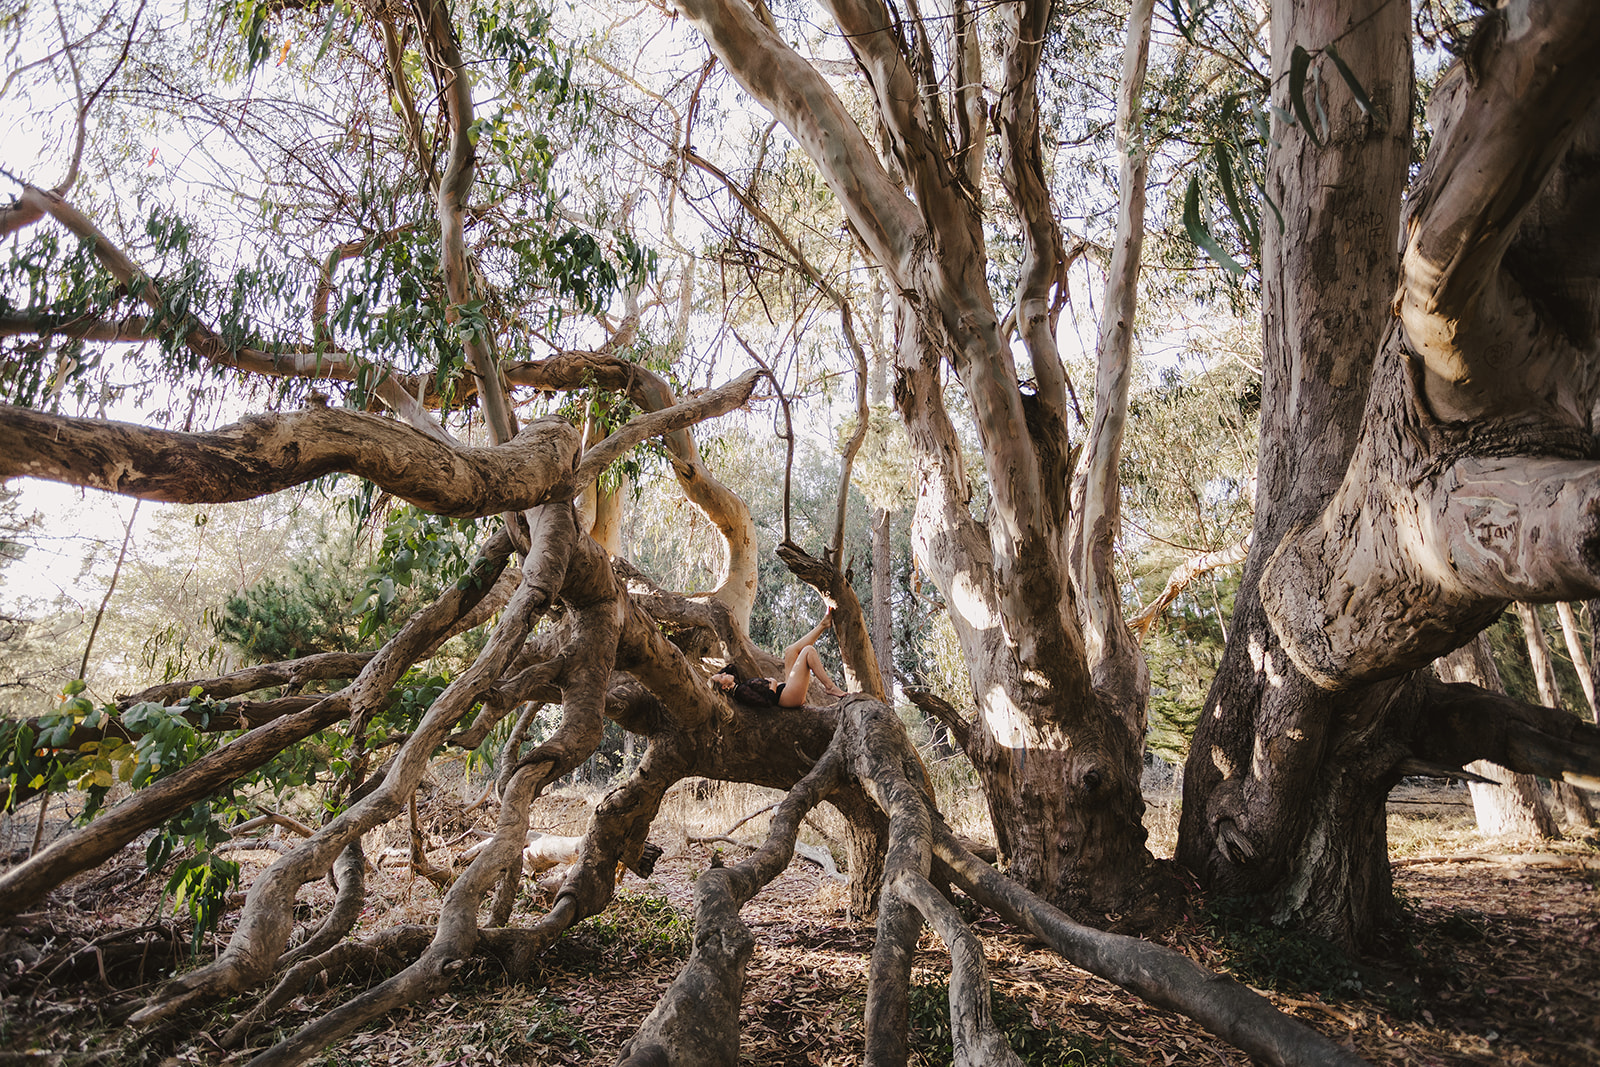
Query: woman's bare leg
(793, 652)
(807, 663)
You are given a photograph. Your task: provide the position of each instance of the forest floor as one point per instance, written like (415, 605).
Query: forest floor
(1498, 961)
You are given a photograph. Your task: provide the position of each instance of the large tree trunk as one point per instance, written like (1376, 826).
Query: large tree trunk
(1303, 807)
(1058, 752)
(1377, 551)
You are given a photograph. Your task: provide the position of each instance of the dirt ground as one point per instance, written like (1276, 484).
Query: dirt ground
(1498, 963)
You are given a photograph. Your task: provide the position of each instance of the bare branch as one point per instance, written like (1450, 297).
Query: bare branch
(423, 632)
(265, 453)
(1113, 655)
(796, 94)
(440, 48)
(1180, 579)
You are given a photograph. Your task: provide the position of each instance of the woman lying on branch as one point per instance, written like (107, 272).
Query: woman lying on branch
(801, 662)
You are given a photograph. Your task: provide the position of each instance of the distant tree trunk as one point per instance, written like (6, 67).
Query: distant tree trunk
(1515, 807)
(1574, 803)
(882, 530)
(1580, 659)
(1592, 608)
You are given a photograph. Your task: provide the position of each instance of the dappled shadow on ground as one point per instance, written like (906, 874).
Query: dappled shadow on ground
(1499, 964)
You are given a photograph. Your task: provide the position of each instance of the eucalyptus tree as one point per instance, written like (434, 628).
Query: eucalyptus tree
(405, 247)
(1426, 440)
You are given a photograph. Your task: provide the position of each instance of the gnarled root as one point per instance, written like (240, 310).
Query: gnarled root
(453, 943)
(263, 929)
(694, 1022)
(697, 1019)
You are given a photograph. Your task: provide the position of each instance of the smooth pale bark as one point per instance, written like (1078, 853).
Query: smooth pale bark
(882, 531)
(441, 52)
(1060, 763)
(1119, 667)
(1514, 807)
(1580, 658)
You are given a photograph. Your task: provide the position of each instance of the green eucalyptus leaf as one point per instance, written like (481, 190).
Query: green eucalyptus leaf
(1200, 235)
(1299, 65)
(1357, 91)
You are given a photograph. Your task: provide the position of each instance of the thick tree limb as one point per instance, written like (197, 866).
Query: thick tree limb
(1159, 975)
(265, 453)
(1455, 545)
(349, 874)
(697, 1019)
(1507, 803)
(263, 928)
(453, 942)
(1534, 78)
(441, 52)
(1041, 283)
(422, 633)
(792, 89)
(1460, 722)
(726, 510)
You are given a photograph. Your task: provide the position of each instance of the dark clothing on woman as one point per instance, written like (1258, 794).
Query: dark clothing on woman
(756, 692)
